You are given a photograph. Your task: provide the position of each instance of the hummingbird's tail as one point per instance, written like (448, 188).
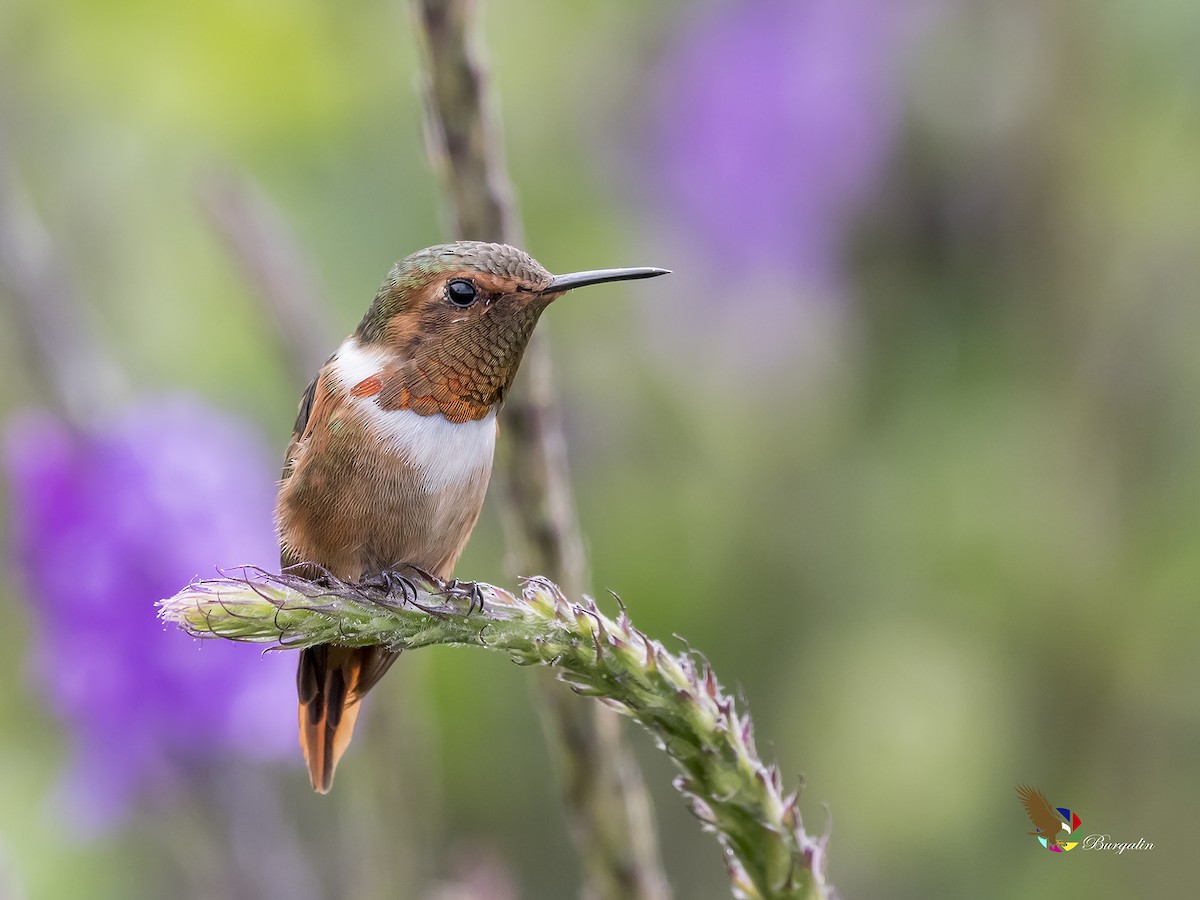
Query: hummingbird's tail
(329, 682)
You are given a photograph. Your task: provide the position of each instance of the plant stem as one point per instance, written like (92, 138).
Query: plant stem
(677, 698)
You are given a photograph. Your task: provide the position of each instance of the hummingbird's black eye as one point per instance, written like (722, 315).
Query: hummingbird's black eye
(461, 292)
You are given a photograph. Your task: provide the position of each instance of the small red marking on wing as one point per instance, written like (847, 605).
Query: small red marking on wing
(367, 387)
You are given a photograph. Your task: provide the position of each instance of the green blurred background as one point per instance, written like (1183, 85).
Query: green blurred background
(929, 497)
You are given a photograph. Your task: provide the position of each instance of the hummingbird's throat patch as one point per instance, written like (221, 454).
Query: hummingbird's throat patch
(461, 388)
(453, 408)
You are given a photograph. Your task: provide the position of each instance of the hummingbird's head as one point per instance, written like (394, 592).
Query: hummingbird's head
(460, 315)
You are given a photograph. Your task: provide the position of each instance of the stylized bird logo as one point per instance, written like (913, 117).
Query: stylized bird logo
(1045, 818)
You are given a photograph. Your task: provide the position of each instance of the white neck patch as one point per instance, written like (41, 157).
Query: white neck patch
(353, 363)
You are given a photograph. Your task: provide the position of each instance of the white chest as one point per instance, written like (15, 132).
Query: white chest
(445, 453)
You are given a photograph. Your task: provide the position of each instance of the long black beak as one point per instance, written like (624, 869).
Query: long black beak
(600, 276)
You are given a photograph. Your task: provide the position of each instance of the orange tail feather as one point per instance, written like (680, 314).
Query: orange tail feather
(330, 681)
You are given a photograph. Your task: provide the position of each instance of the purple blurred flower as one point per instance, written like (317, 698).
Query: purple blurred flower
(106, 523)
(775, 121)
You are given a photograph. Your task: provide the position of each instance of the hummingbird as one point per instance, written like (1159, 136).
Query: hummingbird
(392, 449)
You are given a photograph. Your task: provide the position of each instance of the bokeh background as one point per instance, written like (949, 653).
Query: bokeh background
(908, 445)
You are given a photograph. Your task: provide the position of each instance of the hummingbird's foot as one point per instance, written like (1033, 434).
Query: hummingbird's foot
(404, 588)
(394, 584)
(469, 589)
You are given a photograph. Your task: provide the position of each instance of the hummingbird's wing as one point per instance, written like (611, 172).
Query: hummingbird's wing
(1043, 816)
(303, 415)
(304, 412)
